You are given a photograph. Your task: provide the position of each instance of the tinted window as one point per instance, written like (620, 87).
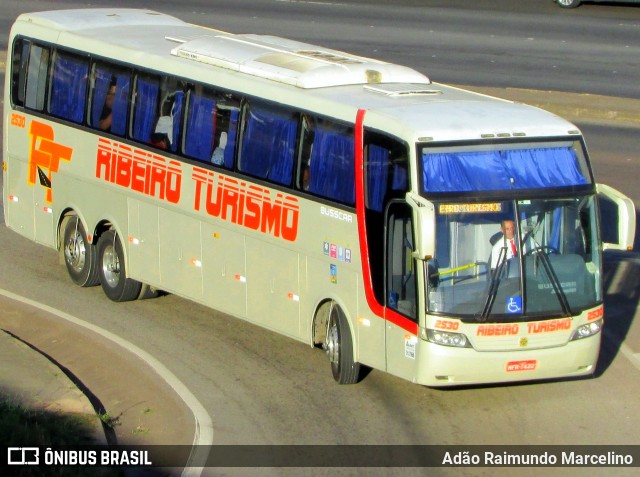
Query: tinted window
(37, 77)
(68, 87)
(110, 98)
(269, 143)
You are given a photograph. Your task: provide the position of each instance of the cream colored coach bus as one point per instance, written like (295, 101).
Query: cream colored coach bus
(342, 201)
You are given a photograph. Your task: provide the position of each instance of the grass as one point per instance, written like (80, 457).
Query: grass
(20, 427)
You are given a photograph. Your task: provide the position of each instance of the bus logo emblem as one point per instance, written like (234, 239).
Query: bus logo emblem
(45, 155)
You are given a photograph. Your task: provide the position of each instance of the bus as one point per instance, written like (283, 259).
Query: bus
(345, 202)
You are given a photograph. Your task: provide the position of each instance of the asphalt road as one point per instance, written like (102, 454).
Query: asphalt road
(527, 44)
(262, 388)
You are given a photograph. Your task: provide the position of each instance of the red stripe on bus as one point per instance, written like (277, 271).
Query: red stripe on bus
(376, 308)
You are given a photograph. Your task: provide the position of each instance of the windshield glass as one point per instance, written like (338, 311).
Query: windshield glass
(509, 259)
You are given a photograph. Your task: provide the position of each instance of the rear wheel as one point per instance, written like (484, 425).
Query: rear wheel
(568, 3)
(339, 348)
(113, 274)
(80, 256)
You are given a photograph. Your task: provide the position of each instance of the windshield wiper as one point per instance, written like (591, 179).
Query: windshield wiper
(494, 285)
(553, 278)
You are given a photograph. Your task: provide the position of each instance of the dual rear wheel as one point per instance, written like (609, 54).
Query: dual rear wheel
(90, 264)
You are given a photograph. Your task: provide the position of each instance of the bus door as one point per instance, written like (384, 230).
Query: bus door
(401, 286)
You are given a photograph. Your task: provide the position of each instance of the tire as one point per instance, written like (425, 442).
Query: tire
(147, 292)
(339, 348)
(80, 256)
(112, 270)
(568, 3)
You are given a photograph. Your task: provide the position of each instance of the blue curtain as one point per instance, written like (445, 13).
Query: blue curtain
(144, 119)
(377, 176)
(69, 87)
(380, 186)
(501, 170)
(103, 80)
(332, 170)
(269, 145)
(554, 239)
(100, 89)
(200, 127)
(120, 104)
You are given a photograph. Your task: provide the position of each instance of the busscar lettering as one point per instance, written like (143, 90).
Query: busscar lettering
(251, 206)
(336, 214)
(139, 170)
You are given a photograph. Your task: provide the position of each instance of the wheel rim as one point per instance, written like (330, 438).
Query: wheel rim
(75, 252)
(333, 344)
(111, 266)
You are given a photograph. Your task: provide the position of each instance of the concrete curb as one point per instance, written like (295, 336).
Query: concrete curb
(56, 362)
(32, 380)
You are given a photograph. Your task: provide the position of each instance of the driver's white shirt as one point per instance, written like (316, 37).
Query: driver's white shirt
(497, 247)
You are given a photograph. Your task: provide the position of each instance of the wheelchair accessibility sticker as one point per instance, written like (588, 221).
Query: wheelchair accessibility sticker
(514, 304)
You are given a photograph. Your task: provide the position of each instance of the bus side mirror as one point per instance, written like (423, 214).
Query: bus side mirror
(617, 218)
(424, 216)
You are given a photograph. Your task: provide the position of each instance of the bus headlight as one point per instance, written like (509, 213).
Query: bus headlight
(586, 330)
(447, 338)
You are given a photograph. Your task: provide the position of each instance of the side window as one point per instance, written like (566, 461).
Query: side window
(20, 62)
(37, 77)
(332, 163)
(211, 126)
(109, 98)
(269, 142)
(157, 111)
(166, 133)
(145, 108)
(69, 76)
(386, 171)
(386, 178)
(225, 134)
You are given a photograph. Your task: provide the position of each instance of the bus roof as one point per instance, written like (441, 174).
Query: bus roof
(400, 99)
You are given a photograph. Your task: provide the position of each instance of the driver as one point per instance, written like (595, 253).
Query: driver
(508, 228)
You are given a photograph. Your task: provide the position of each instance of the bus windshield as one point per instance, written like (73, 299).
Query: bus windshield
(514, 259)
(507, 255)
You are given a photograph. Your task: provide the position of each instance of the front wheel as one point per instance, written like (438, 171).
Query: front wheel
(339, 348)
(80, 256)
(113, 274)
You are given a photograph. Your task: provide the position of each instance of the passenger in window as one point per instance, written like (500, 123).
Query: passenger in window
(308, 135)
(160, 141)
(106, 116)
(162, 136)
(221, 136)
(218, 153)
(305, 176)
